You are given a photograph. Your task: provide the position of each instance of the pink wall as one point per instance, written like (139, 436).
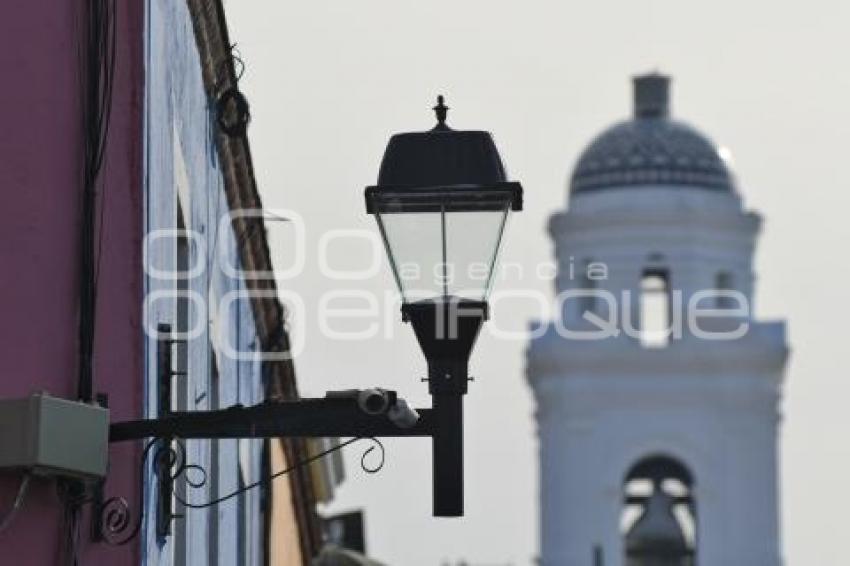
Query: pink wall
(40, 164)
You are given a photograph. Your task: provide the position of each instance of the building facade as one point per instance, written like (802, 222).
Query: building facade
(41, 251)
(658, 392)
(130, 206)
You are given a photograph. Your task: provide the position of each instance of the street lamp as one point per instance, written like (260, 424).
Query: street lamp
(441, 202)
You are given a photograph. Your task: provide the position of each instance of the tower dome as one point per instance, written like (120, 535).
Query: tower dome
(651, 149)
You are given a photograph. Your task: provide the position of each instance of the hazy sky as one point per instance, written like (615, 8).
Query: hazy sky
(329, 81)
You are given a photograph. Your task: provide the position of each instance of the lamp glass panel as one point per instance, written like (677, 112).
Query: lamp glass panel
(444, 247)
(472, 246)
(414, 242)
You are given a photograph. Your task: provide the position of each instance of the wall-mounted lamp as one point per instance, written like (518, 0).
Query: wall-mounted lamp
(441, 203)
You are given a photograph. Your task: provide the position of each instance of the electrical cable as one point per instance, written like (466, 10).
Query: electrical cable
(98, 61)
(16, 505)
(233, 113)
(237, 61)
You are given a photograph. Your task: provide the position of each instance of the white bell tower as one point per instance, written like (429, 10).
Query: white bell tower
(657, 391)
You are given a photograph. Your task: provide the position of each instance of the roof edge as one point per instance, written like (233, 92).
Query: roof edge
(240, 186)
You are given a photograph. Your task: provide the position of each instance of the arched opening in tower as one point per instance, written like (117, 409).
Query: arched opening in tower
(658, 519)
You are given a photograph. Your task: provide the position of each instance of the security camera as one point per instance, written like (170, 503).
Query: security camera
(402, 414)
(373, 401)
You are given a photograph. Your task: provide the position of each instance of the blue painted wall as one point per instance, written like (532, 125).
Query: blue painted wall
(181, 167)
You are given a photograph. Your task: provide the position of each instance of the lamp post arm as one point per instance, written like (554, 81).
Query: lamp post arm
(335, 416)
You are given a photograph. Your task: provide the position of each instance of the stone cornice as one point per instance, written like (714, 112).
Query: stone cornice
(762, 351)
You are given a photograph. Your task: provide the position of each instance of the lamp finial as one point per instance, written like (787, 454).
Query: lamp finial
(441, 110)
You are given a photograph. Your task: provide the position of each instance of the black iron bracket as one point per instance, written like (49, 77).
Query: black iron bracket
(305, 418)
(163, 466)
(341, 414)
(357, 414)
(446, 331)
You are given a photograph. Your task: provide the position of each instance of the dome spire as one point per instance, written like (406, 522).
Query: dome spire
(651, 149)
(652, 96)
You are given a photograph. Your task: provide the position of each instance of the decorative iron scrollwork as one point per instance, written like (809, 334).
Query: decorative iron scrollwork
(116, 518)
(377, 467)
(170, 463)
(117, 525)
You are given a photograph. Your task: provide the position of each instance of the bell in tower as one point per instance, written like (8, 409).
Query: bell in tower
(657, 538)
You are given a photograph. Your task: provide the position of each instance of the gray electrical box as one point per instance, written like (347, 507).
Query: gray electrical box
(54, 437)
